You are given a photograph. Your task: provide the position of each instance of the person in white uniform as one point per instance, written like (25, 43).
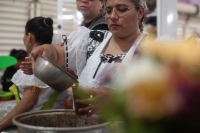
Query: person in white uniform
(119, 46)
(32, 94)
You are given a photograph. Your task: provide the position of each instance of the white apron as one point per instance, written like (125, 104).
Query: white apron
(105, 70)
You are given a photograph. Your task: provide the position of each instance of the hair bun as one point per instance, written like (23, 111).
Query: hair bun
(13, 52)
(48, 22)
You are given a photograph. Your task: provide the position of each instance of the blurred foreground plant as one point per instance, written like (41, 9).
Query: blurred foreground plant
(159, 92)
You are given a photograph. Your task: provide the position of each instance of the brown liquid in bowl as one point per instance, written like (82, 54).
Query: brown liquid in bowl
(58, 119)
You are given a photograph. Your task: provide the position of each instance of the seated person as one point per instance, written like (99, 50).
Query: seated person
(31, 93)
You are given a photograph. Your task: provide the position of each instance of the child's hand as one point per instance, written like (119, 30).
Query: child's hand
(26, 66)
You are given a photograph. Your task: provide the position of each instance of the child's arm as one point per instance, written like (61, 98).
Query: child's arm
(26, 104)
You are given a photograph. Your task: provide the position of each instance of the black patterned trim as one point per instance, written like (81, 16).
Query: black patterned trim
(95, 38)
(108, 58)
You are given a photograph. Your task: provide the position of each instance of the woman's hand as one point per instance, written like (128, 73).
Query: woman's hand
(101, 96)
(26, 66)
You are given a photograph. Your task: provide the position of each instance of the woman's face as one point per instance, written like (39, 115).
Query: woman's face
(27, 43)
(122, 17)
(89, 8)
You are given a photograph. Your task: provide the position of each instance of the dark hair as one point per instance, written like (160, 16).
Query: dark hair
(41, 28)
(18, 54)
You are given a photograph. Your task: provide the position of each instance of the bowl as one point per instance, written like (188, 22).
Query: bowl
(6, 95)
(58, 121)
(52, 74)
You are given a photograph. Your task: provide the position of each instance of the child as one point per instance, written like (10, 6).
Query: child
(10, 71)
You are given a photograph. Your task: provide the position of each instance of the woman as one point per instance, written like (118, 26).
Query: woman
(124, 19)
(92, 18)
(33, 94)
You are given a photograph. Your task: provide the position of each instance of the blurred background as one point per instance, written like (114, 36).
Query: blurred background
(176, 18)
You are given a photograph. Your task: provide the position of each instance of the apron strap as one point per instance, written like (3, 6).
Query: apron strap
(133, 49)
